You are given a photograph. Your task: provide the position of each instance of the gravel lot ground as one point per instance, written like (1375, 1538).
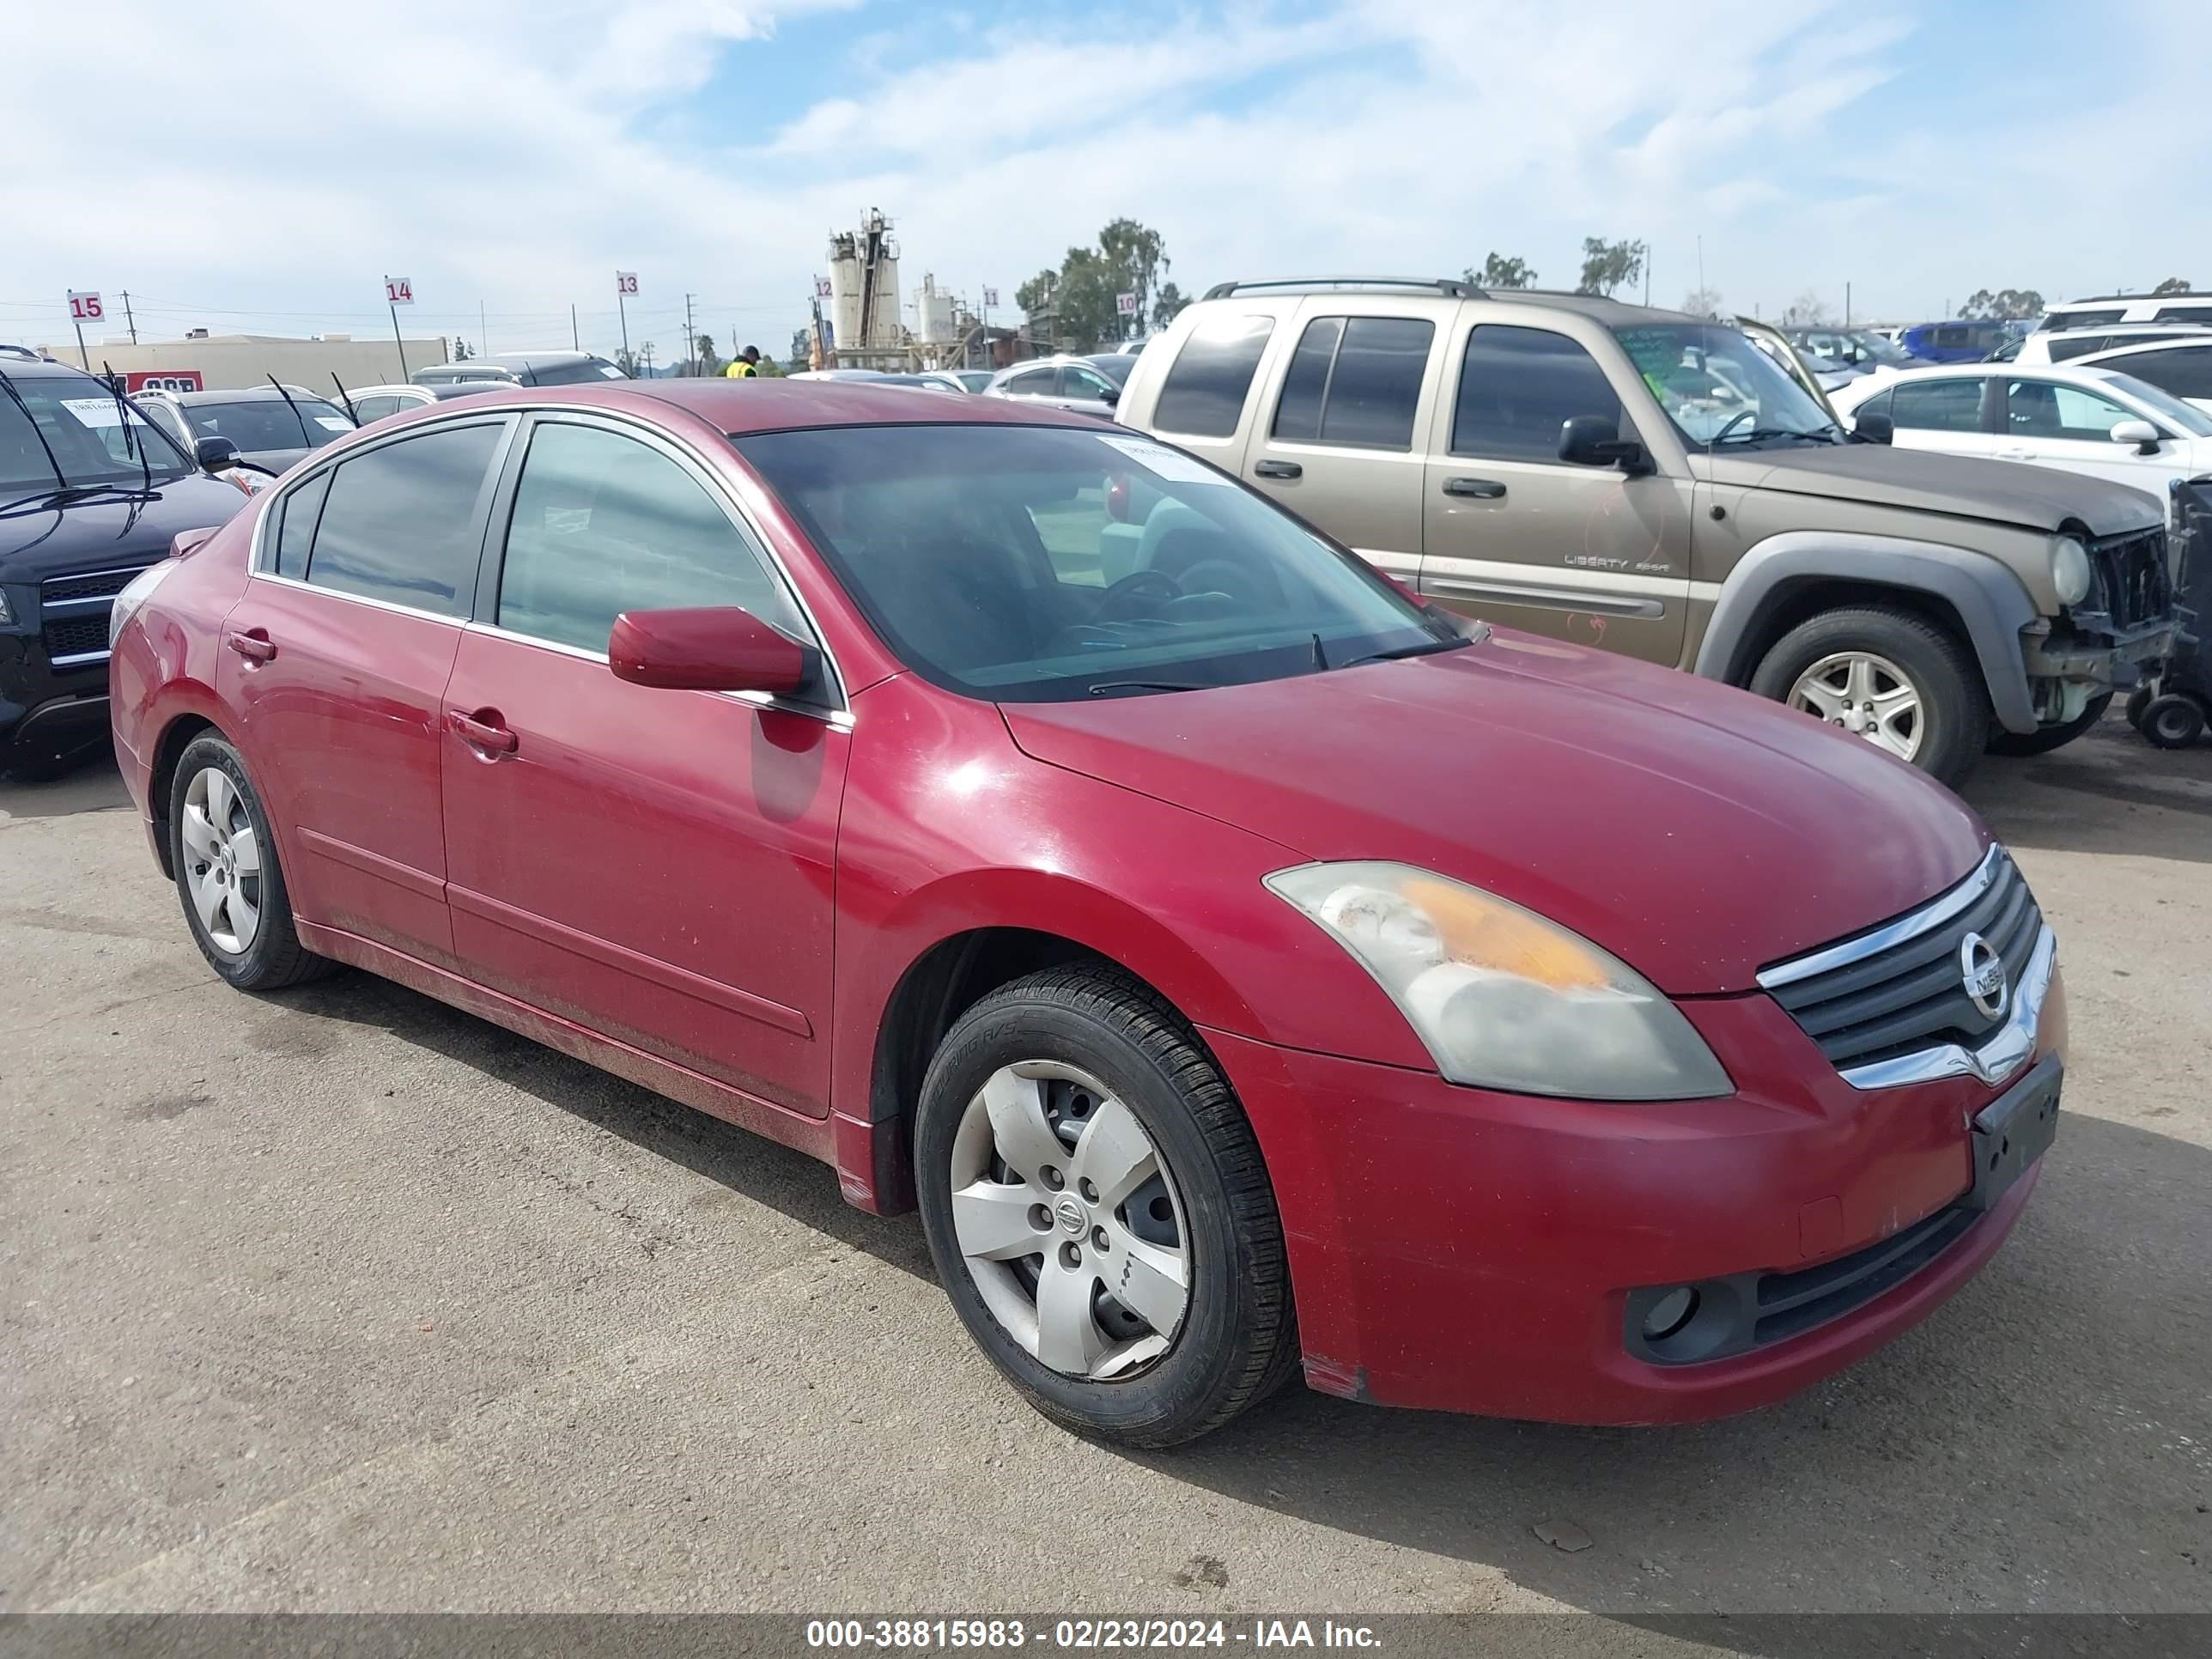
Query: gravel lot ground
(342, 1300)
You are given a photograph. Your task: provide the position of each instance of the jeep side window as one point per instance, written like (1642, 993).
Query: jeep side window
(1947, 405)
(1205, 390)
(1518, 386)
(1356, 380)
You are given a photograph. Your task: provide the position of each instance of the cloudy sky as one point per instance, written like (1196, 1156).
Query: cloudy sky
(262, 165)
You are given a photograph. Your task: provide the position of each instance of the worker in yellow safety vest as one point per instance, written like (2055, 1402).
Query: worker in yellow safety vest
(742, 367)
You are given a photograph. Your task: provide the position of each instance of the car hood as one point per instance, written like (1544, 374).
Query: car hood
(1922, 481)
(98, 535)
(274, 460)
(1695, 831)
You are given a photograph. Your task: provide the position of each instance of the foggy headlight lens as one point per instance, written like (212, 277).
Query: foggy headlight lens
(2070, 570)
(136, 593)
(1501, 997)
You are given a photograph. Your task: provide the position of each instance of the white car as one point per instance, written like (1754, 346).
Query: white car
(2093, 421)
(2182, 367)
(2067, 345)
(2194, 306)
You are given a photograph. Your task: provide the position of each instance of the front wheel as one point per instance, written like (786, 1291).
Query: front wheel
(1098, 1212)
(228, 874)
(2045, 739)
(1889, 677)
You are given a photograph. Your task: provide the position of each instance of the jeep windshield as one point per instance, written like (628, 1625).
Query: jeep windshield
(1721, 391)
(1048, 564)
(86, 444)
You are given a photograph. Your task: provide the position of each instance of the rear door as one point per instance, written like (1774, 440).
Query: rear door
(337, 658)
(1032, 385)
(1516, 535)
(1947, 413)
(653, 865)
(1341, 442)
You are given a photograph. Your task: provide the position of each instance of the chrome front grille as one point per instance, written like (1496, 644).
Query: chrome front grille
(1892, 1006)
(73, 614)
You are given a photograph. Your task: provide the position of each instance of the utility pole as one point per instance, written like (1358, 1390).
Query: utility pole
(128, 320)
(1847, 304)
(574, 338)
(645, 353)
(691, 339)
(483, 330)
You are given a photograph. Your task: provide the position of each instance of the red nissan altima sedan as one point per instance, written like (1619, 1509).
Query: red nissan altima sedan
(1243, 967)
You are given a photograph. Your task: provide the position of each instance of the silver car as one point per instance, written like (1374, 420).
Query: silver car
(1089, 386)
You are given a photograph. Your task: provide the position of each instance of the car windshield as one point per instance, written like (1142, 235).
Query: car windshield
(84, 429)
(1044, 564)
(1881, 350)
(260, 423)
(2164, 404)
(1718, 388)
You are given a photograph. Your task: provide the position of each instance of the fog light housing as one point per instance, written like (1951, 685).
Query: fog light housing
(1670, 1313)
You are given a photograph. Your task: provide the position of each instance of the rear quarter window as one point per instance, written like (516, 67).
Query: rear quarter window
(1205, 390)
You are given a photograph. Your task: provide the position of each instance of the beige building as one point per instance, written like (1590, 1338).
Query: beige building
(222, 361)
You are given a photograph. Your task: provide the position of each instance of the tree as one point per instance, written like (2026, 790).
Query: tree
(2004, 306)
(1136, 257)
(626, 361)
(1808, 309)
(461, 352)
(1077, 305)
(1171, 300)
(1504, 271)
(1609, 265)
(802, 348)
(708, 362)
(2172, 285)
(1702, 302)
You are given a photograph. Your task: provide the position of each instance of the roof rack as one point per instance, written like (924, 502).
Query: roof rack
(1451, 287)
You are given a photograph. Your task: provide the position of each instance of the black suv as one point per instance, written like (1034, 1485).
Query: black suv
(91, 493)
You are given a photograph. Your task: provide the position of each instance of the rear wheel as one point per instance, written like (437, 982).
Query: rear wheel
(2173, 722)
(1098, 1212)
(2045, 739)
(228, 873)
(1889, 677)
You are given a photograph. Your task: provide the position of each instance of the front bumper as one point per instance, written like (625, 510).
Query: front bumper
(47, 713)
(1458, 1249)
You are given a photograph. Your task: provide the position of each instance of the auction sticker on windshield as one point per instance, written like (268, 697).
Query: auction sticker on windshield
(331, 423)
(1159, 459)
(100, 411)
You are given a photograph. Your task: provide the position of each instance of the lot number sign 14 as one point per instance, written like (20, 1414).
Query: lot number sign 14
(399, 290)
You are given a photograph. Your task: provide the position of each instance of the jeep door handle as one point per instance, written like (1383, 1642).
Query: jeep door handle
(1487, 489)
(484, 730)
(254, 645)
(1278, 469)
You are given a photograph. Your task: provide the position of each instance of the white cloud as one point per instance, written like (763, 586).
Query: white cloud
(516, 153)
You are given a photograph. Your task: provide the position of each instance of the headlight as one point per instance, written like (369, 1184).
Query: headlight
(1502, 997)
(6, 615)
(139, 589)
(2070, 569)
(245, 478)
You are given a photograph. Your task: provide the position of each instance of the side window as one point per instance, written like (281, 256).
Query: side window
(1877, 404)
(1951, 334)
(374, 408)
(1946, 405)
(1518, 386)
(1037, 383)
(2185, 371)
(604, 524)
(295, 531)
(2044, 409)
(1084, 383)
(398, 524)
(1205, 390)
(1365, 394)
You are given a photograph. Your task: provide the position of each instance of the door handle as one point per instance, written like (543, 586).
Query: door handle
(484, 730)
(1487, 489)
(1278, 469)
(254, 645)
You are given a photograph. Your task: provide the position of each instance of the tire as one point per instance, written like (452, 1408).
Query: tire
(2045, 739)
(2174, 720)
(1951, 718)
(1103, 1037)
(2138, 699)
(267, 955)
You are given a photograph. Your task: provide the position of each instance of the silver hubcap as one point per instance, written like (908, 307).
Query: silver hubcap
(1067, 1222)
(1864, 693)
(223, 862)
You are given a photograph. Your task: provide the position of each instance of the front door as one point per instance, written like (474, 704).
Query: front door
(2055, 423)
(337, 657)
(1516, 535)
(656, 865)
(1340, 448)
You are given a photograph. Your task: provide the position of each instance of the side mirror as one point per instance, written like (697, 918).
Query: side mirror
(1876, 427)
(719, 649)
(2142, 434)
(213, 454)
(1592, 441)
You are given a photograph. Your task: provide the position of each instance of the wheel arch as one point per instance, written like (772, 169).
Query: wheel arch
(1788, 579)
(169, 750)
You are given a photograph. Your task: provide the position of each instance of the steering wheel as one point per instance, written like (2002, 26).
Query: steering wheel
(1118, 602)
(1731, 423)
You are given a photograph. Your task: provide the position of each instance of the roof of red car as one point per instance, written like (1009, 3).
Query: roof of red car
(768, 405)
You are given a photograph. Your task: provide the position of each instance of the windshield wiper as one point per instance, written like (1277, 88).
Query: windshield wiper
(61, 481)
(1105, 686)
(1759, 433)
(70, 495)
(1424, 648)
(131, 444)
